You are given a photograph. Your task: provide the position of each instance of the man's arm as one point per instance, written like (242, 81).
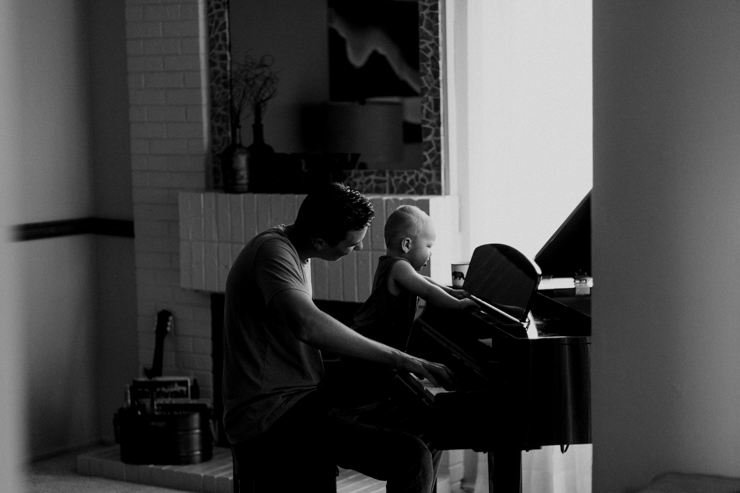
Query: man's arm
(318, 329)
(406, 277)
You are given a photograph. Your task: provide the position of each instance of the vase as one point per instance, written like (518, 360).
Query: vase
(259, 163)
(234, 164)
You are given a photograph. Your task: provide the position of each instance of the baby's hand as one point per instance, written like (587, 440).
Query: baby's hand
(467, 303)
(459, 293)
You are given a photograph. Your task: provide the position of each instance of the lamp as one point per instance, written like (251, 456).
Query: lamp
(373, 130)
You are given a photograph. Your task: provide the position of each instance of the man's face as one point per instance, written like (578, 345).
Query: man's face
(353, 241)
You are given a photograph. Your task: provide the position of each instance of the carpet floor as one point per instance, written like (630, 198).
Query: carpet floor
(58, 475)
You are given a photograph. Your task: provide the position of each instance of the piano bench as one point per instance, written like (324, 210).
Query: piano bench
(673, 482)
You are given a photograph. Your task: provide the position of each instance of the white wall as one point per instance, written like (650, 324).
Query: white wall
(520, 145)
(66, 315)
(520, 117)
(11, 367)
(55, 183)
(666, 216)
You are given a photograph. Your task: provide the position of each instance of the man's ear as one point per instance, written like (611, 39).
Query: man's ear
(319, 243)
(406, 245)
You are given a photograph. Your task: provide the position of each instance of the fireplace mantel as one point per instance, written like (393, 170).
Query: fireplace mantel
(214, 226)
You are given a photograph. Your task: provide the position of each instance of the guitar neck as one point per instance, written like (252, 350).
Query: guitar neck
(164, 325)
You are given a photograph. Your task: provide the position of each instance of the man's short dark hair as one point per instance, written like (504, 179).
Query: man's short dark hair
(331, 211)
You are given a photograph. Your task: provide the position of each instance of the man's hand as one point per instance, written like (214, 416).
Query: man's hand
(438, 374)
(468, 303)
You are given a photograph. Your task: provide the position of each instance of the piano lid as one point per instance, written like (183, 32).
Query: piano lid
(568, 251)
(503, 277)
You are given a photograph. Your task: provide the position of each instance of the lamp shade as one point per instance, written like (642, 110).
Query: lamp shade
(373, 130)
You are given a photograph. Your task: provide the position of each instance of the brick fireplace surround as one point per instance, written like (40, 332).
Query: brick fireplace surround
(186, 236)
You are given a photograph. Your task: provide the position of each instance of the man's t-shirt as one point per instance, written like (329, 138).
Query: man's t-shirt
(266, 369)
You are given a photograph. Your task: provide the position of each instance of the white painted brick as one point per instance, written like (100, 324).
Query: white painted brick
(183, 344)
(135, 47)
(145, 63)
(184, 97)
(210, 262)
(197, 146)
(365, 275)
(224, 264)
(290, 208)
(236, 213)
(174, 12)
(190, 11)
(264, 209)
(198, 265)
(391, 204)
(184, 130)
(147, 163)
(164, 80)
(334, 273)
(139, 146)
(147, 97)
(250, 216)
(320, 279)
(135, 30)
(192, 79)
(134, 13)
(190, 45)
(210, 217)
(197, 217)
(375, 233)
(202, 345)
(184, 200)
(146, 130)
(236, 249)
(422, 203)
(166, 113)
(155, 13)
(169, 146)
(277, 209)
(299, 200)
(161, 46)
(181, 62)
(137, 113)
(83, 465)
(136, 81)
(177, 29)
(349, 277)
(224, 217)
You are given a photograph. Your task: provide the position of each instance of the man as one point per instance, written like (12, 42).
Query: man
(284, 431)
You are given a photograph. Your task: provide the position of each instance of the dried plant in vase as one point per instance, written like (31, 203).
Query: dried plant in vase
(253, 85)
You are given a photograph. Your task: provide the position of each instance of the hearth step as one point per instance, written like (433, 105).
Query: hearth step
(213, 476)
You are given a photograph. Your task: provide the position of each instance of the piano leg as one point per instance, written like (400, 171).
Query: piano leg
(505, 471)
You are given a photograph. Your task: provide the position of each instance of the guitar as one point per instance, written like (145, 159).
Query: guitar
(163, 327)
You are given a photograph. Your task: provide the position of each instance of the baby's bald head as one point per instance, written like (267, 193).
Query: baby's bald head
(405, 222)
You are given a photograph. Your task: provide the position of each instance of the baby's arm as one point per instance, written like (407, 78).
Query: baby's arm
(457, 293)
(404, 275)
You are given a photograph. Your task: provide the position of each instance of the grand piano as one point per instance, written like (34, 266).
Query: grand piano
(521, 359)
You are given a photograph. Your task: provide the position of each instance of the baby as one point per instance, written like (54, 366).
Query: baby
(388, 314)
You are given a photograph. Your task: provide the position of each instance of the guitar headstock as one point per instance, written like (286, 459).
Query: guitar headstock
(164, 323)
(162, 328)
